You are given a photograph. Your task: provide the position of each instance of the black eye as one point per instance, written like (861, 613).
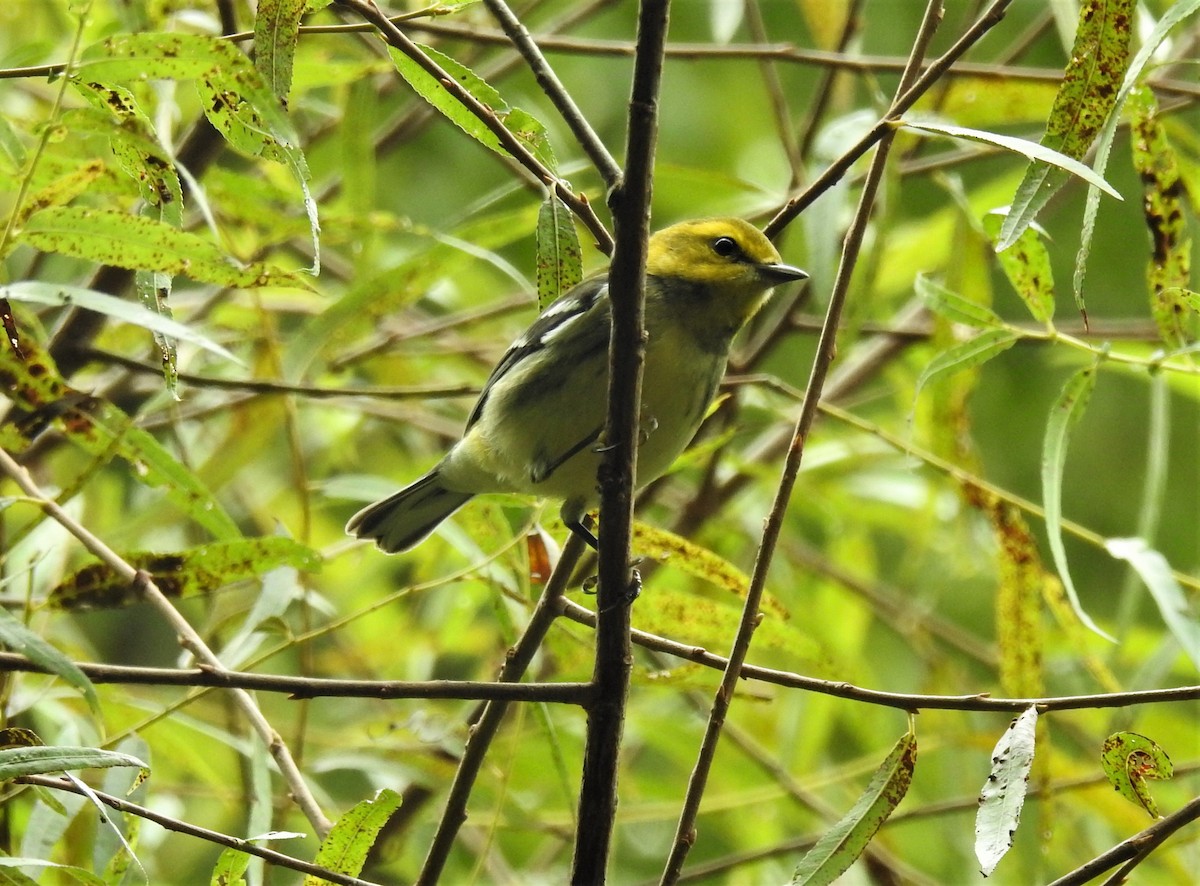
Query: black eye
(726, 247)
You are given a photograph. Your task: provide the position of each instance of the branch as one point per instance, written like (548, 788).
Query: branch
(685, 833)
(485, 720)
(191, 830)
(910, 93)
(619, 582)
(398, 39)
(188, 639)
(1136, 847)
(316, 687)
(902, 701)
(609, 171)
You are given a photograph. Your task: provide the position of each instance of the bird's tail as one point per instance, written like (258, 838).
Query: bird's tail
(401, 520)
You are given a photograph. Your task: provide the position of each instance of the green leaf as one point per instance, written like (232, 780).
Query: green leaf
(17, 762)
(10, 876)
(528, 130)
(276, 30)
(841, 846)
(968, 354)
(1039, 153)
(230, 869)
(1129, 760)
(345, 849)
(1098, 62)
(1175, 13)
(127, 241)
(431, 89)
(559, 260)
(1026, 263)
(1068, 409)
(102, 430)
(666, 547)
(1152, 567)
(62, 190)
(15, 635)
(234, 96)
(34, 292)
(952, 306)
(201, 570)
(1165, 209)
(1003, 794)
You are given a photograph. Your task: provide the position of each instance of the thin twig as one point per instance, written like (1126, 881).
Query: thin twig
(188, 638)
(513, 145)
(191, 830)
(608, 168)
(685, 832)
(485, 719)
(905, 100)
(1136, 846)
(579, 693)
(897, 700)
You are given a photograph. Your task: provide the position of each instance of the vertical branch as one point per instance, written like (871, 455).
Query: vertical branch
(630, 204)
(685, 834)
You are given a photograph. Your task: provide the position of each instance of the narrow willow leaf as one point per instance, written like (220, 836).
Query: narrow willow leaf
(699, 562)
(15, 635)
(16, 762)
(1003, 794)
(1098, 62)
(1026, 263)
(526, 128)
(129, 241)
(138, 149)
(99, 428)
(202, 570)
(1129, 760)
(1152, 567)
(1019, 631)
(1164, 208)
(952, 306)
(276, 30)
(64, 873)
(1175, 13)
(1033, 151)
(230, 869)
(431, 89)
(34, 292)
(968, 354)
(841, 846)
(234, 96)
(710, 622)
(559, 260)
(62, 190)
(345, 849)
(1068, 409)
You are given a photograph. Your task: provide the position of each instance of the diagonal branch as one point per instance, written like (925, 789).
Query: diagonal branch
(191, 830)
(685, 834)
(513, 145)
(556, 92)
(188, 639)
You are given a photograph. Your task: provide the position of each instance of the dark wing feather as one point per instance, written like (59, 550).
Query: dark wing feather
(578, 301)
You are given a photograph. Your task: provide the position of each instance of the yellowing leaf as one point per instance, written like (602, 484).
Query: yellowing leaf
(1129, 760)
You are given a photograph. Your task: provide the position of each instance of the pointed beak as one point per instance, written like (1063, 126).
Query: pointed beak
(781, 273)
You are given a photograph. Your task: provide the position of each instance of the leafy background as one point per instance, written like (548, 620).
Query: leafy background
(913, 559)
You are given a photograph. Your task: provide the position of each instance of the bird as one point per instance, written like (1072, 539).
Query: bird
(537, 427)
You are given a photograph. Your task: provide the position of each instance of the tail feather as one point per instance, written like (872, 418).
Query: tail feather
(401, 520)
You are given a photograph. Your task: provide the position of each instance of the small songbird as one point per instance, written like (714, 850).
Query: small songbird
(536, 428)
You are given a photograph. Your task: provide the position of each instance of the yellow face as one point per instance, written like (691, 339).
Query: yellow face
(727, 253)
